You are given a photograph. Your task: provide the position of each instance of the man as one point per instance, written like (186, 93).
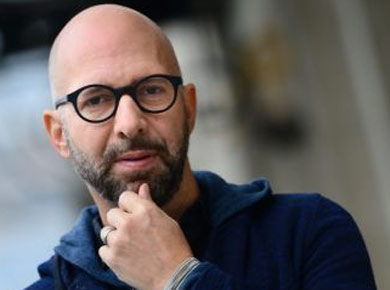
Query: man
(123, 117)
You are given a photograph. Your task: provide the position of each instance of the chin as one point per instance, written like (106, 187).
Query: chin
(134, 186)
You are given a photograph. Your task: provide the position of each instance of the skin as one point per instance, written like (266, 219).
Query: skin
(113, 45)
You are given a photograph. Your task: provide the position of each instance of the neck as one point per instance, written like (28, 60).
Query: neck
(186, 196)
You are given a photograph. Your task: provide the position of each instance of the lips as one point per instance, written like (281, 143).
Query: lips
(136, 159)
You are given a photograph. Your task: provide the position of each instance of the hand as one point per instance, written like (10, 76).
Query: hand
(147, 245)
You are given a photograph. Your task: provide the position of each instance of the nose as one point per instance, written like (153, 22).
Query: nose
(129, 120)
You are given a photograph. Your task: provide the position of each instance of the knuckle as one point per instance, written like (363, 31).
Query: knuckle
(118, 239)
(102, 252)
(124, 198)
(106, 255)
(113, 240)
(113, 214)
(110, 213)
(121, 238)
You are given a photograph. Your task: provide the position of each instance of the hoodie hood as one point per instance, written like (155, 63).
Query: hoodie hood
(80, 247)
(224, 200)
(221, 199)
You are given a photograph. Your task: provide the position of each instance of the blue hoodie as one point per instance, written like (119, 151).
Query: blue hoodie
(245, 237)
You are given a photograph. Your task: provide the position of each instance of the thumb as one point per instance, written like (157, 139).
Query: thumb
(144, 192)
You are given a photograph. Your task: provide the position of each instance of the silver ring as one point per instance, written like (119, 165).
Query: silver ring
(104, 233)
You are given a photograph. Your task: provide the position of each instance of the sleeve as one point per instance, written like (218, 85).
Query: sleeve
(207, 277)
(46, 280)
(335, 254)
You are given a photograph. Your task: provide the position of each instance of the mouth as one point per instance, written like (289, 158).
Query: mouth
(136, 160)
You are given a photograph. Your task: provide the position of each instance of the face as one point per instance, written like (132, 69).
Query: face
(133, 147)
(163, 179)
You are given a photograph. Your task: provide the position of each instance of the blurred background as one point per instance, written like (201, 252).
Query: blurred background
(296, 91)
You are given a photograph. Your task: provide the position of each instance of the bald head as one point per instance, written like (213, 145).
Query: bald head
(112, 39)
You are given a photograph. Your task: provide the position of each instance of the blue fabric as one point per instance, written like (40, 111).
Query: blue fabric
(245, 238)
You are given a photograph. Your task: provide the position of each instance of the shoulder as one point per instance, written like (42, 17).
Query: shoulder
(304, 212)
(307, 204)
(324, 236)
(310, 220)
(307, 220)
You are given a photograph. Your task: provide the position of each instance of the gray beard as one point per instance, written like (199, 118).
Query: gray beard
(163, 184)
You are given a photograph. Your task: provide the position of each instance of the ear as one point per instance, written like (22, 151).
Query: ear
(190, 104)
(55, 131)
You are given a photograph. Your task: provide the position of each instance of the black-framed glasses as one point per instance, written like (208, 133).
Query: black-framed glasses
(97, 103)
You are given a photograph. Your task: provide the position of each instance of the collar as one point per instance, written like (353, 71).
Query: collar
(223, 200)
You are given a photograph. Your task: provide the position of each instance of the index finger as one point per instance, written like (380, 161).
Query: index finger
(130, 201)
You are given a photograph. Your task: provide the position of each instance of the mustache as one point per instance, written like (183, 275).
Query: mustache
(136, 143)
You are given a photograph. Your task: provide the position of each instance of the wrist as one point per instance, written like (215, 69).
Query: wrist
(180, 274)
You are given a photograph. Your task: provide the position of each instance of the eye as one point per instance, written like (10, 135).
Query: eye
(98, 100)
(95, 98)
(153, 90)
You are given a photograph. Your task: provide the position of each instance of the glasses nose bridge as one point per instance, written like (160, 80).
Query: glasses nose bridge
(129, 90)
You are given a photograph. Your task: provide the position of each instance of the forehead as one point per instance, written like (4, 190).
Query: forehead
(110, 52)
(113, 65)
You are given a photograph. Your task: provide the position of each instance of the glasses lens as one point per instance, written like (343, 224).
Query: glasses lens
(96, 103)
(155, 94)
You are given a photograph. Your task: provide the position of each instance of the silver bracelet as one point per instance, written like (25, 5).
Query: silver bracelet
(181, 273)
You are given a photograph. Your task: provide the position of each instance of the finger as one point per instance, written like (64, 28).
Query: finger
(116, 217)
(104, 232)
(104, 253)
(130, 202)
(144, 192)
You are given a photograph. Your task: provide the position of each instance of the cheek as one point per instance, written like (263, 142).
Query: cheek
(90, 138)
(172, 130)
